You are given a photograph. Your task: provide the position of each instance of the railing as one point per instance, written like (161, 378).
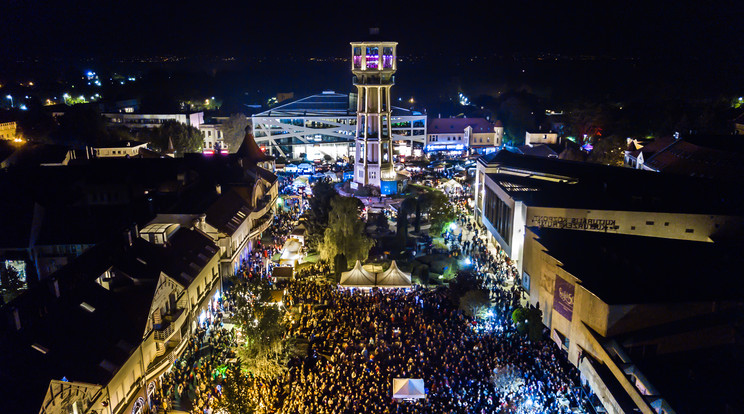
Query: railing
(164, 334)
(373, 80)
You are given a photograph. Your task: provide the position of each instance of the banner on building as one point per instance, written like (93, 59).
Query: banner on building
(563, 298)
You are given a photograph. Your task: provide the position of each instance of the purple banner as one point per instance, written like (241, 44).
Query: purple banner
(563, 298)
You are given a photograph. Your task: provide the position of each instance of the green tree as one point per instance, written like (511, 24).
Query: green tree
(475, 303)
(441, 212)
(234, 130)
(528, 321)
(235, 397)
(317, 216)
(423, 204)
(345, 232)
(185, 138)
(609, 150)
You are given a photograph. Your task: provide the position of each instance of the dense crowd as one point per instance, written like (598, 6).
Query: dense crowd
(193, 383)
(358, 341)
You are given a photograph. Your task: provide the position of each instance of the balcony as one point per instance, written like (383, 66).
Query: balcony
(373, 80)
(172, 322)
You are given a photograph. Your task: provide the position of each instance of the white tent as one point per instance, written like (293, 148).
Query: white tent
(405, 388)
(358, 277)
(291, 253)
(394, 277)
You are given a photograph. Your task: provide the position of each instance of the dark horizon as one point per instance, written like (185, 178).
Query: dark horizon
(72, 30)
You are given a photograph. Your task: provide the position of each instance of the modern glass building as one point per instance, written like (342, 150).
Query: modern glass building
(325, 124)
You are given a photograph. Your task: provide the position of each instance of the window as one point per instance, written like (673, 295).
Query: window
(689, 231)
(649, 223)
(209, 133)
(499, 214)
(666, 224)
(632, 227)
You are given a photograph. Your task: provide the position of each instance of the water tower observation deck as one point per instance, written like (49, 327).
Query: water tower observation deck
(373, 63)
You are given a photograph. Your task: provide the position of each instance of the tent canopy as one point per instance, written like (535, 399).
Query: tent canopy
(394, 277)
(358, 277)
(405, 388)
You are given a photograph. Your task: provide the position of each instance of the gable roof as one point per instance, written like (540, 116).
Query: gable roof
(228, 212)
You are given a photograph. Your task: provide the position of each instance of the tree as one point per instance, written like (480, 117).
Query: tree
(234, 130)
(475, 303)
(423, 204)
(345, 232)
(320, 207)
(405, 209)
(185, 138)
(10, 282)
(340, 266)
(441, 212)
(609, 150)
(528, 321)
(81, 125)
(36, 124)
(235, 397)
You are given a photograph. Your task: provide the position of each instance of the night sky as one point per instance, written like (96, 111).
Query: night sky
(75, 29)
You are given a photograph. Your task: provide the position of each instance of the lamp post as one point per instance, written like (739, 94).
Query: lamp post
(11, 100)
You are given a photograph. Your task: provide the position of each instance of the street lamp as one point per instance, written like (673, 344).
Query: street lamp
(11, 100)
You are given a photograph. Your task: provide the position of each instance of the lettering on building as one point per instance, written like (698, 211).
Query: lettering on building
(574, 223)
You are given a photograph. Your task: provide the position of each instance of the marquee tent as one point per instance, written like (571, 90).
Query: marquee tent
(408, 388)
(394, 277)
(291, 253)
(358, 277)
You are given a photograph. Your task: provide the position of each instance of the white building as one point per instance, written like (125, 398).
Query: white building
(457, 135)
(535, 138)
(213, 138)
(515, 191)
(325, 124)
(131, 120)
(120, 149)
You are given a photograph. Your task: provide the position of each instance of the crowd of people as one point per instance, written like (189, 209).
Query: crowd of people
(358, 341)
(194, 381)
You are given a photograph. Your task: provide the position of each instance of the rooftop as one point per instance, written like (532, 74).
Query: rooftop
(458, 125)
(327, 103)
(550, 182)
(624, 269)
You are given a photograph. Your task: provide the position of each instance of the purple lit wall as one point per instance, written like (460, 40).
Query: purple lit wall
(357, 61)
(387, 61)
(372, 61)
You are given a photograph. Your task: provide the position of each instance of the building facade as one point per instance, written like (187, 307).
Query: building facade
(120, 149)
(132, 120)
(624, 316)
(325, 124)
(514, 191)
(457, 136)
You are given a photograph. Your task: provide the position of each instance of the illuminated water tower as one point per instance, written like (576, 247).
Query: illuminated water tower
(373, 65)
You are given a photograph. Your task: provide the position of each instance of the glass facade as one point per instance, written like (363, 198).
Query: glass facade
(499, 214)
